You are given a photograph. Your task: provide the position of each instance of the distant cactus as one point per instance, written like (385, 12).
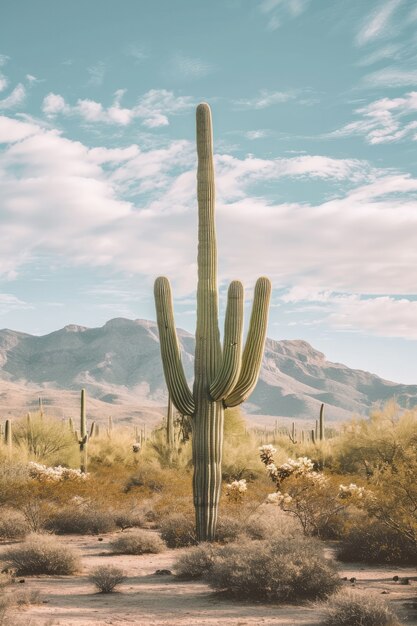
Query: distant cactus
(8, 439)
(313, 436)
(321, 423)
(109, 426)
(83, 435)
(223, 378)
(293, 434)
(71, 424)
(40, 407)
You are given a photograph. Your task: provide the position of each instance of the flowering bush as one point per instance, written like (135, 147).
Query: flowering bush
(41, 472)
(309, 495)
(236, 490)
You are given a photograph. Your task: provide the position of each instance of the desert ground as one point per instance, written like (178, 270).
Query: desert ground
(163, 600)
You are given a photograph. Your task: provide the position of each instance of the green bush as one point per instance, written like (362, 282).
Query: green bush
(81, 521)
(41, 554)
(196, 562)
(13, 524)
(355, 608)
(373, 542)
(137, 542)
(178, 531)
(278, 570)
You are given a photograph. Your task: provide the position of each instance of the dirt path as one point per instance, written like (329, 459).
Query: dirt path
(149, 599)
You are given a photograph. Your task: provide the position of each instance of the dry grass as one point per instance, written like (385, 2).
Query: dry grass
(41, 554)
(355, 608)
(137, 542)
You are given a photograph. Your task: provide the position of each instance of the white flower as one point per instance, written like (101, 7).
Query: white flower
(266, 453)
(352, 490)
(278, 498)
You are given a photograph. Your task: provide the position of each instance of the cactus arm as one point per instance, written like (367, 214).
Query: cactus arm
(171, 359)
(232, 344)
(255, 343)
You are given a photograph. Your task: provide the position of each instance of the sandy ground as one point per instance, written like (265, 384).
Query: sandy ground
(155, 600)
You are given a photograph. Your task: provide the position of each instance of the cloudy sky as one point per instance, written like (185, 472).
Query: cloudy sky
(315, 118)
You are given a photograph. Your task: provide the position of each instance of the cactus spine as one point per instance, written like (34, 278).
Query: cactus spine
(83, 435)
(223, 378)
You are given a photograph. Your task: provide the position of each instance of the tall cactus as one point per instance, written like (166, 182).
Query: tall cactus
(83, 435)
(321, 423)
(8, 438)
(223, 378)
(170, 424)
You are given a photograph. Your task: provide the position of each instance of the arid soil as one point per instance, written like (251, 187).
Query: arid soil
(147, 598)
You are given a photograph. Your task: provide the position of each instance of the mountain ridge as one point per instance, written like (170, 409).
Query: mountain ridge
(119, 364)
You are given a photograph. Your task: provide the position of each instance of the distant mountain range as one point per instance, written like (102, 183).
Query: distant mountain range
(120, 366)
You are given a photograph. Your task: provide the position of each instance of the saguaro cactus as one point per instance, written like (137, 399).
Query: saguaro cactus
(321, 423)
(83, 436)
(223, 378)
(8, 439)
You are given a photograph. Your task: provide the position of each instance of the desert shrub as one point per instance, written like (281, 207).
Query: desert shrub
(128, 519)
(228, 529)
(270, 521)
(373, 542)
(41, 554)
(196, 562)
(137, 542)
(13, 524)
(106, 578)
(355, 608)
(278, 570)
(178, 531)
(149, 476)
(81, 521)
(44, 440)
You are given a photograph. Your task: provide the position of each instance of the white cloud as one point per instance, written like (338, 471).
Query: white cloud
(256, 134)
(278, 11)
(376, 24)
(153, 108)
(9, 302)
(384, 316)
(265, 99)
(62, 199)
(191, 67)
(385, 120)
(15, 99)
(392, 76)
(3, 82)
(96, 73)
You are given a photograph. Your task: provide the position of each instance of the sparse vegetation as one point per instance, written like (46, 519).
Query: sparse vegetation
(137, 542)
(178, 531)
(13, 524)
(41, 554)
(106, 578)
(278, 570)
(355, 608)
(81, 520)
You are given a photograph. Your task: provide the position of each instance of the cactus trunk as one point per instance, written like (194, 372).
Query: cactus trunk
(83, 435)
(321, 423)
(222, 378)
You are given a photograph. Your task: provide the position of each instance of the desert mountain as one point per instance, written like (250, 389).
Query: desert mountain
(120, 366)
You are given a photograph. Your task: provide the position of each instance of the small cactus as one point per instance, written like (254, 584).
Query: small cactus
(8, 438)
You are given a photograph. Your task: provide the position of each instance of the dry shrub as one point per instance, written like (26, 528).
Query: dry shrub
(371, 541)
(41, 554)
(178, 531)
(128, 519)
(271, 521)
(228, 529)
(13, 524)
(81, 521)
(137, 542)
(196, 562)
(106, 578)
(355, 608)
(278, 570)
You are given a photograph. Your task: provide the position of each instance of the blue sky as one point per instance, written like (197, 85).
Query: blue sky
(315, 119)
